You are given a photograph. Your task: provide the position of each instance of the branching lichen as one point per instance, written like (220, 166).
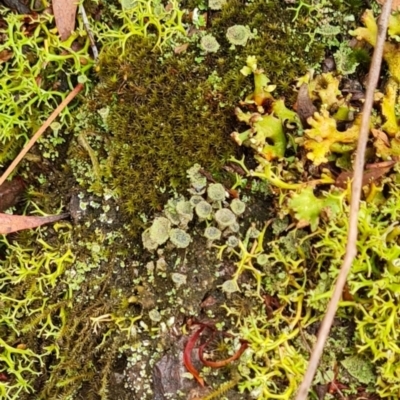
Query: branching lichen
(35, 63)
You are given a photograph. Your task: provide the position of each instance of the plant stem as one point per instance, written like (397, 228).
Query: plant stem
(41, 130)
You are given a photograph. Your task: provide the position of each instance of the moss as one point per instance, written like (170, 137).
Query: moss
(164, 114)
(163, 118)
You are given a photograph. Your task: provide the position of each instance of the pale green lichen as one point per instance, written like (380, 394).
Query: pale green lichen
(196, 199)
(198, 182)
(224, 218)
(170, 211)
(237, 206)
(234, 228)
(238, 35)
(179, 238)
(232, 241)
(212, 233)
(216, 5)
(209, 44)
(159, 230)
(147, 242)
(345, 60)
(360, 368)
(262, 259)
(216, 192)
(203, 210)
(184, 210)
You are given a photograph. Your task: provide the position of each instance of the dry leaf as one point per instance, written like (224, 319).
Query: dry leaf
(384, 147)
(13, 223)
(5, 55)
(381, 136)
(304, 106)
(395, 3)
(181, 49)
(17, 5)
(64, 14)
(10, 192)
(370, 175)
(381, 164)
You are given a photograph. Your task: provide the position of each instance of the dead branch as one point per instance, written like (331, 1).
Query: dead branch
(89, 32)
(39, 133)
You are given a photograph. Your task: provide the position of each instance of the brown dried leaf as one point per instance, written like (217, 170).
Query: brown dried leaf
(347, 296)
(17, 5)
(381, 164)
(5, 55)
(181, 48)
(64, 14)
(382, 144)
(10, 192)
(369, 175)
(13, 223)
(380, 135)
(304, 106)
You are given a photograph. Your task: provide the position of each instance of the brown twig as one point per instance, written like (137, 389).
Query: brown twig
(351, 248)
(89, 32)
(37, 135)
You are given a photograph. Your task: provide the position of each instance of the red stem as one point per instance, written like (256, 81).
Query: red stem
(222, 363)
(187, 359)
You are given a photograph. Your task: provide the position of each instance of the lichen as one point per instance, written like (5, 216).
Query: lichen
(203, 210)
(179, 238)
(31, 91)
(159, 230)
(212, 233)
(216, 4)
(238, 35)
(323, 137)
(209, 44)
(360, 368)
(238, 207)
(224, 218)
(216, 192)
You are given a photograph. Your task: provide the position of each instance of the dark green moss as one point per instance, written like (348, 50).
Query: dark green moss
(163, 117)
(165, 112)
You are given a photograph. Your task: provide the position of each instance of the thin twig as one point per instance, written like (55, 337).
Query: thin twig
(89, 32)
(37, 135)
(351, 248)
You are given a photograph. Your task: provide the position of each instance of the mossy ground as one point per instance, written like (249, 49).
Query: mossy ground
(165, 112)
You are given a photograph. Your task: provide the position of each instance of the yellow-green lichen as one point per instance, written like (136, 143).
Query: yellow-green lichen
(37, 72)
